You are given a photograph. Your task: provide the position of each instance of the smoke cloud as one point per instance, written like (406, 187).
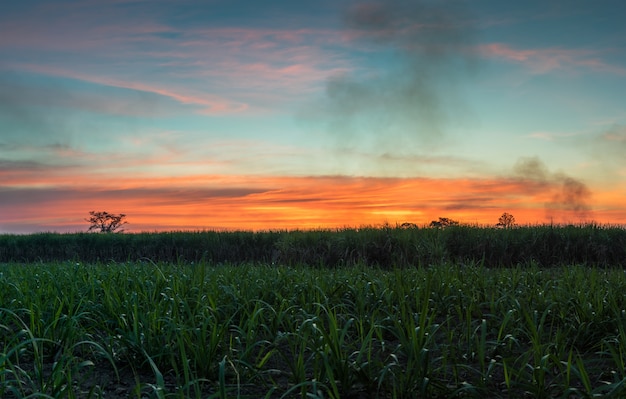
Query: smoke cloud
(571, 195)
(566, 194)
(532, 169)
(410, 93)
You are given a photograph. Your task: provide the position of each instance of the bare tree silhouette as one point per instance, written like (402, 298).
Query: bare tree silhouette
(106, 222)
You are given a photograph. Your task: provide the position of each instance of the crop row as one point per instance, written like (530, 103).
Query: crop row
(70, 330)
(387, 247)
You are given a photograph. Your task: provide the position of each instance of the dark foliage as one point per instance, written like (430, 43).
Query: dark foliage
(444, 222)
(385, 247)
(105, 222)
(506, 221)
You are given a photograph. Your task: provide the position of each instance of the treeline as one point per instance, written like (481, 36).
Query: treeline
(385, 247)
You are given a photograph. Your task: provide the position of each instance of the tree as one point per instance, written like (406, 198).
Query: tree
(444, 222)
(506, 220)
(106, 222)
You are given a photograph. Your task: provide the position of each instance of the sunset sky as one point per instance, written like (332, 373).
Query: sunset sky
(282, 114)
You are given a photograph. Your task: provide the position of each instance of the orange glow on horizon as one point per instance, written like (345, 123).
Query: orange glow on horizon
(266, 203)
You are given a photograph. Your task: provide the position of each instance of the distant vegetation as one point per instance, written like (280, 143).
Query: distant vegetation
(385, 247)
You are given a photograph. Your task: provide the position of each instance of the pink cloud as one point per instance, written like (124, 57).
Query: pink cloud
(615, 134)
(542, 136)
(551, 136)
(549, 59)
(504, 51)
(208, 103)
(248, 63)
(615, 137)
(262, 57)
(216, 63)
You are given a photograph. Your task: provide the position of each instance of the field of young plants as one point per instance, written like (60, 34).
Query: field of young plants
(372, 324)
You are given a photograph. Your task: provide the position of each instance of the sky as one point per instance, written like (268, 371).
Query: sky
(276, 114)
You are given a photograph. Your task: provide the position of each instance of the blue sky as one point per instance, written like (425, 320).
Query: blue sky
(102, 102)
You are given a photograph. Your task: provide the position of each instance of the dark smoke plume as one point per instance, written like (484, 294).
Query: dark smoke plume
(566, 193)
(532, 169)
(423, 53)
(571, 195)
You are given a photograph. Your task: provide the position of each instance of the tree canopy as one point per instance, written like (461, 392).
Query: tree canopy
(105, 222)
(444, 222)
(506, 220)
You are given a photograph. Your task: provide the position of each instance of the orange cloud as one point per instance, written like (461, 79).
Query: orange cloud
(264, 202)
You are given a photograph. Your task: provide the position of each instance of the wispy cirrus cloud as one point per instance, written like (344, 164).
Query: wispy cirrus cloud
(204, 102)
(551, 136)
(146, 155)
(607, 148)
(545, 60)
(259, 63)
(615, 134)
(229, 67)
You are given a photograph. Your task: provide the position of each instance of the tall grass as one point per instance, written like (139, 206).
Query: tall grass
(387, 247)
(161, 330)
